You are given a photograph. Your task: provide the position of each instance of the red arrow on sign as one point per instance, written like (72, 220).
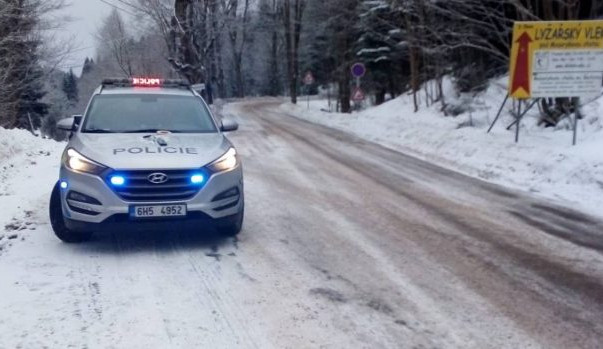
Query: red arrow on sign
(358, 94)
(521, 77)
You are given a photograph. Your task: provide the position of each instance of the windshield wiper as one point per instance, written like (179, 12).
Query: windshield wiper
(150, 130)
(100, 130)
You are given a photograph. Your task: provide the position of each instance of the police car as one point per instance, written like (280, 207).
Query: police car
(147, 154)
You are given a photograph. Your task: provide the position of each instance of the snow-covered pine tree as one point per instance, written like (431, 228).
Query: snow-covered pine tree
(30, 107)
(88, 65)
(316, 53)
(268, 48)
(70, 87)
(378, 48)
(59, 106)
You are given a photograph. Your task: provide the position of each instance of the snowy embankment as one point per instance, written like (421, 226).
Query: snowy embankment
(543, 162)
(28, 169)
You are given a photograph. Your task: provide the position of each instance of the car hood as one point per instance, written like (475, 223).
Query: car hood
(151, 151)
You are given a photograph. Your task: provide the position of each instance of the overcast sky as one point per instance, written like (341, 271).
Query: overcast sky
(87, 16)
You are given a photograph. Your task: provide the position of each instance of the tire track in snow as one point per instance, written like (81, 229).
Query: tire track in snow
(220, 297)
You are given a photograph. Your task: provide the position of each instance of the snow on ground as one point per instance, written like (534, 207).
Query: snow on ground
(543, 162)
(177, 290)
(33, 161)
(306, 272)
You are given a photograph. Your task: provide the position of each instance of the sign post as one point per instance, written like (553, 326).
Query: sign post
(358, 95)
(576, 117)
(358, 71)
(518, 121)
(556, 59)
(308, 80)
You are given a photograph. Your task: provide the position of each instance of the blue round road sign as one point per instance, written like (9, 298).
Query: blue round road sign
(358, 70)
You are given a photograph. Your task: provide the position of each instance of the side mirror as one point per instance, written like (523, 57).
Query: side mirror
(66, 124)
(69, 124)
(77, 120)
(229, 125)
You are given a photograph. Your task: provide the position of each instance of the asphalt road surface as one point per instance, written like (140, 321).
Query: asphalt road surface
(346, 245)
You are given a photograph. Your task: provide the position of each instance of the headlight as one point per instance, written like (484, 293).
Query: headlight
(77, 162)
(226, 162)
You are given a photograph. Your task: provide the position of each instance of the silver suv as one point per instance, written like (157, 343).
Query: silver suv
(147, 154)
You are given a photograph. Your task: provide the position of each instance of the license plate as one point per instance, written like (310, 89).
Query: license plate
(158, 211)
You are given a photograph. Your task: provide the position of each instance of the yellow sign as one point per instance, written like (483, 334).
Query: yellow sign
(556, 59)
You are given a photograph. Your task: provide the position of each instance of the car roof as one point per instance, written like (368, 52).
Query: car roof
(145, 90)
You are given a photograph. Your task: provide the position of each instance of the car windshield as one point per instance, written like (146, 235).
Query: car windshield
(122, 113)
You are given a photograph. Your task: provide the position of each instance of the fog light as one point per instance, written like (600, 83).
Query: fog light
(63, 185)
(226, 194)
(75, 196)
(118, 180)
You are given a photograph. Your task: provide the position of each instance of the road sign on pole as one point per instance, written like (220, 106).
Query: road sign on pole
(309, 78)
(556, 59)
(358, 95)
(358, 70)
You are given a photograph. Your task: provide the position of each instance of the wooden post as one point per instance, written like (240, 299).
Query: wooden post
(31, 126)
(499, 112)
(518, 122)
(576, 117)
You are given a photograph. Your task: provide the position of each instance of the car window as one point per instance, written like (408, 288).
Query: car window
(147, 112)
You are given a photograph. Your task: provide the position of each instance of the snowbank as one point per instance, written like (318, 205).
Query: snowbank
(543, 162)
(13, 142)
(28, 169)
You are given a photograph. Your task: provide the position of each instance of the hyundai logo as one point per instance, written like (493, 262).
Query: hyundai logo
(158, 178)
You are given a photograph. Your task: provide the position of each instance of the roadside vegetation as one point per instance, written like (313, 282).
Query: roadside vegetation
(241, 48)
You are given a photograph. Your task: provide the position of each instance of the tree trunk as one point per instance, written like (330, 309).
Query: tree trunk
(344, 90)
(186, 58)
(216, 71)
(239, 76)
(299, 13)
(290, 53)
(380, 97)
(549, 14)
(292, 37)
(274, 63)
(221, 80)
(414, 75)
(413, 56)
(273, 69)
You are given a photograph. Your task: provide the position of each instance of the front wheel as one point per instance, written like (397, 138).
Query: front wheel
(231, 226)
(57, 220)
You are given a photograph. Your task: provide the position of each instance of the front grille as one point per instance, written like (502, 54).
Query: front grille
(137, 186)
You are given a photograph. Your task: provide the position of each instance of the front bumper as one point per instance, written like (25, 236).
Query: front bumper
(123, 223)
(114, 211)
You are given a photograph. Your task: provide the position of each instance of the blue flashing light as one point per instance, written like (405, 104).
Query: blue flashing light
(197, 178)
(118, 180)
(63, 185)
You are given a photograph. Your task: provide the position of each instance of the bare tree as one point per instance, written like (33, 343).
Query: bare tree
(274, 45)
(292, 12)
(114, 38)
(208, 40)
(238, 21)
(216, 71)
(192, 30)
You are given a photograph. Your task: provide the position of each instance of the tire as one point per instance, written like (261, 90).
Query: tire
(231, 226)
(57, 221)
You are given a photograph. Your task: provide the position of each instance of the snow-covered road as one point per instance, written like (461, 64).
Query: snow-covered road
(346, 245)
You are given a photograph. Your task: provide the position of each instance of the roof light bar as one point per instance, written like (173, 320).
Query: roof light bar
(145, 82)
